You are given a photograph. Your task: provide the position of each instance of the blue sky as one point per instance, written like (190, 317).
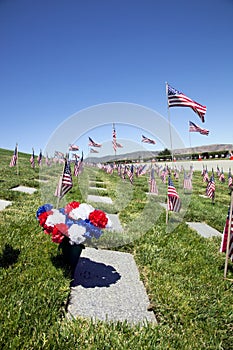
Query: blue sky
(61, 57)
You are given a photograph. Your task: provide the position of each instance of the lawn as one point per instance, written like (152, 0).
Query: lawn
(182, 271)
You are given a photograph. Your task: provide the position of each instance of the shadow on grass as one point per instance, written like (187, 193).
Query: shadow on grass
(9, 256)
(59, 263)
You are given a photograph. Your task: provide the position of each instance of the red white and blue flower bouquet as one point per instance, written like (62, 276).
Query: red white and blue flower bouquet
(72, 226)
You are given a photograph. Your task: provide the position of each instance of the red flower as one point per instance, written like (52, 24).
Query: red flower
(70, 206)
(98, 218)
(59, 232)
(43, 217)
(62, 228)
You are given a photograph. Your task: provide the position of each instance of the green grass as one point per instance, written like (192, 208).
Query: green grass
(182, 271)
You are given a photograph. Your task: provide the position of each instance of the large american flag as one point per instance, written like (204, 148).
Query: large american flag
(223, 247)
(153, 188)
(195, 128)
(147, 140)
(174, 202)
(14, 158)
(92, 143)
(65, 182)
(178, 99)
(210, 189)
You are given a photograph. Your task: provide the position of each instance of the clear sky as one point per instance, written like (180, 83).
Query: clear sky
(60, 57)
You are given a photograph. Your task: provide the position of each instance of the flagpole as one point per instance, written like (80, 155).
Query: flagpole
(169, 121)
(167, 212)
(60, 184)
(228, 234)
(17, 159)
(190, 144)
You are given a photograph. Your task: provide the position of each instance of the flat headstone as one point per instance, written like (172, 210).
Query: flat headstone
(116, 224)
(101, 199)
(107, 287)
(203, 196)
(151, 194)
(97, 182)
(204, 229)
(4, 204)
(164, 205)
(24, 189)
(41, 180)
(98, 188)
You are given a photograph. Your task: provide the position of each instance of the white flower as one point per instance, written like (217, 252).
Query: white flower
(109, 223)
(76, 233)
(82, 212)
(55, 218)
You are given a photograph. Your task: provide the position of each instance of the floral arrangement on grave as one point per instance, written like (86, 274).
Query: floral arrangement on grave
(76, 222)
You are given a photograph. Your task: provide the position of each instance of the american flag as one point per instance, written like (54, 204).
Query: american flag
(119, 145)
(59, 154)
(110, 169)
(78, 166)
(92, 150)
(124, 172)
(223, 247)
(32, 159)
(174, 202)
(187, 181)
(178, 99)
(195, 128)
(47, 161)
(39, 158)
(130, 173)
(14, 158)
(73, 148)
(153, 188)
(92, 143)
(205, 176)
(222, 177)
(114, 143)
(210, 189)
(65, 182)
(147, 140)
(230, 181)
(142, 169)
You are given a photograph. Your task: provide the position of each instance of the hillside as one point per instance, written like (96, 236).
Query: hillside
(147, 154)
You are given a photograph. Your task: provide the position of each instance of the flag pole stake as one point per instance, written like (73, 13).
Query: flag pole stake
(228, 235)
(166, 216)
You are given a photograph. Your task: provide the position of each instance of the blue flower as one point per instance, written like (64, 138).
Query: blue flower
(43, 208)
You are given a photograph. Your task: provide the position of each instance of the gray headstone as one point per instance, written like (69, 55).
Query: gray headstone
(204, 229)
(4, 204)
(101, 199)
(107, 287)
(24, 189)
